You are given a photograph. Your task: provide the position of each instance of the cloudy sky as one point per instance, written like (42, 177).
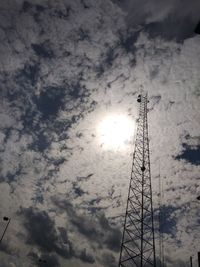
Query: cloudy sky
(65, 68)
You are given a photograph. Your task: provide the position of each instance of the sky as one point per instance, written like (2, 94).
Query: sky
(65, 68)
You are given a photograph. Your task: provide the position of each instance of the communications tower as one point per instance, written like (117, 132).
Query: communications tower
(138, 243)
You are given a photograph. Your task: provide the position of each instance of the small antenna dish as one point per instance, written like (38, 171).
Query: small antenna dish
(139, 98)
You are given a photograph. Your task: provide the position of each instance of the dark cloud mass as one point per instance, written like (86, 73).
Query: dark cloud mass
(169, 30)
(190, 154)
(44, 260)
(42, 50)
(191, 150)
(108, 260)
(96, 229)
(160, 18)
(86, 257)
(50, 101)
(64, 66)
(169, 220)
(42, 232)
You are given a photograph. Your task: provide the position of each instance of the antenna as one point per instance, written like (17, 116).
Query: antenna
(138, 242)
(161, 220)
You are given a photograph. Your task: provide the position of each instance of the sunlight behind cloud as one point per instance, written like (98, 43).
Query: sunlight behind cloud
(116, 131)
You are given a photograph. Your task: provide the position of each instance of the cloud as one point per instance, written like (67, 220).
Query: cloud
(50, 101)
(41, 142)
(96, 229)
(170, 20)
(42, 233)
(64, 66)
(191, 150)
(169, 219)
(108, 260)
(128, 40)
(28, 75)
(5, 248)
(86, 257)
(42, 50)
(51, 260)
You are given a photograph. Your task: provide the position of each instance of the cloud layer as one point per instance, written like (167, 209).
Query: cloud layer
(65, 65)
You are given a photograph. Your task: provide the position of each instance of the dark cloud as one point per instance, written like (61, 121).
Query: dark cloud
(76, 91)
(41, 228)
(191, 150)
(62, 13)
(85, 4)
(113, 235)
(81, 178)
(27, 6)
(78, 191)
(171, 29)
(37, 10)
(42, 232)
(96, 228)
(86, 257)
(169, 220)
(83, 34)
(92, 208)
(7, 131)
(4, 247)
(86, 226)
(39, 195)
(113, 239)
(50, 260)
(28, 74)
(155, 99)
(107, 59)
(128, 40)
(57, 58)
(41, 142)
(12, 176)
(29, 119)
(43, 50)
(63, 204)
(63, 234)
(172, 20)
(110, 56)
(50, 101)
(190, 154)
(40, 186)
(109, 260)
(176, 262)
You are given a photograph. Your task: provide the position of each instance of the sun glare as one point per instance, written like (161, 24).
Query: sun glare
(116, 131)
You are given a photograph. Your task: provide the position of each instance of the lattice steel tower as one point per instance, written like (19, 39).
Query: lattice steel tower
(138, 243)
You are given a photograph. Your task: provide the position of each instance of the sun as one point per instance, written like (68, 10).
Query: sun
(116, 131)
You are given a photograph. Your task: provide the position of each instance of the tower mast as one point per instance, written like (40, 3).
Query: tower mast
(138, 242)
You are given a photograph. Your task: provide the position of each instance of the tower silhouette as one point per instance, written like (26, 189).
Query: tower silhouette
(138, 243)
